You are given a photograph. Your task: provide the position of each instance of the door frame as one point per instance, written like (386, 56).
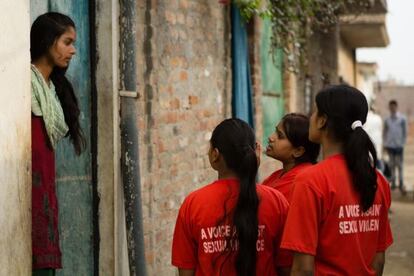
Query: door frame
(111, 254)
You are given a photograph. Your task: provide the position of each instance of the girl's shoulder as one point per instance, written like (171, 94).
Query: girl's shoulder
(322, 176)
(269, 181)
(269, 194)
(326, 166)
(310, 171)
(215, 189)
(300, 168)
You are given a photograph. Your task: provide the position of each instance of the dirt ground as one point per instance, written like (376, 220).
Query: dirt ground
(400, 256)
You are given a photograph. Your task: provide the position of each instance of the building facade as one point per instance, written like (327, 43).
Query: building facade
(153, 78)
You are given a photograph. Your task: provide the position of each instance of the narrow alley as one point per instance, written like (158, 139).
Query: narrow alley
(400, 256)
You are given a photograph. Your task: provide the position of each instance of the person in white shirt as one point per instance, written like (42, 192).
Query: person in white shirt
(373, 126)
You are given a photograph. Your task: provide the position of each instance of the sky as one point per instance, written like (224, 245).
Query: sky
(397, 60)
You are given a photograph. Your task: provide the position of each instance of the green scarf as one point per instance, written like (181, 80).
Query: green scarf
(46, 103)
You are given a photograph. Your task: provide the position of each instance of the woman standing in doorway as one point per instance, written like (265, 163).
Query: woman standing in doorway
(55, 115)
(338, 217)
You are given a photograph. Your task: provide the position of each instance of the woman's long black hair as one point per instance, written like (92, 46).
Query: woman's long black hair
(46, 29)
(343, 105)
(235, 140)
(296, 126)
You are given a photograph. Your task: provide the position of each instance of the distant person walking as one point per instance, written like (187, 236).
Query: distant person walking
(395, 136)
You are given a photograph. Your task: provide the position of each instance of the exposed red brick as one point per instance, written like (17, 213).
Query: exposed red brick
(187, 38)
(192, 100)
(184, 4)
(175, 103)
(183, 76)
(170, 17)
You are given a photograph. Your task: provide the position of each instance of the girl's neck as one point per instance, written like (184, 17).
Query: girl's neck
(44, 67)
(330, 148)
(288, 165)
(226, 174)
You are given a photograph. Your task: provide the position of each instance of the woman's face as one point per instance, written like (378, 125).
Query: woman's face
(63, 49)
(279, 146)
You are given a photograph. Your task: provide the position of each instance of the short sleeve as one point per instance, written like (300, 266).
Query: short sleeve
(385, 238)
(302, 224)
(184, 246)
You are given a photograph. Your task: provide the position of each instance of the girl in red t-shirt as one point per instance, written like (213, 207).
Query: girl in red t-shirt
(338, 218)
(231, 226)
(290, 145)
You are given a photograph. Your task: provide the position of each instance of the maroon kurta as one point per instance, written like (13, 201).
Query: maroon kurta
(45, 235)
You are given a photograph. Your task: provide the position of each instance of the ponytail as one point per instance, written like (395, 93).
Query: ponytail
(361, 157)
(236, 142)
(343, 106)
(245, 215)
(70, 106)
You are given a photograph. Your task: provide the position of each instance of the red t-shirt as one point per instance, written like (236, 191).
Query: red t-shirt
(201, 235)
(325, 220)
(283, 182)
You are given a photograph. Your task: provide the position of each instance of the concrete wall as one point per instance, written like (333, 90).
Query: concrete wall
(15, 142)
(321, 69)
(184, 86)
(346, 63)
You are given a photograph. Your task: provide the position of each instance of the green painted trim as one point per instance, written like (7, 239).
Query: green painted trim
(273, 103)
(44, 272)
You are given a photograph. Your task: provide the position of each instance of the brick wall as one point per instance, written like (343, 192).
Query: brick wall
(184, 75)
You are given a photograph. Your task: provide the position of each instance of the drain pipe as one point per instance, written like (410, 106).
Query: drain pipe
(129, 138)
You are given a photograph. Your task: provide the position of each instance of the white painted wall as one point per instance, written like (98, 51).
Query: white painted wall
(15, 139)
(366, 83)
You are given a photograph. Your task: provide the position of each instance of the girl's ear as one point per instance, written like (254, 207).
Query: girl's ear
(215, 155)
(321, 121)
(298, 152)
(258, 153)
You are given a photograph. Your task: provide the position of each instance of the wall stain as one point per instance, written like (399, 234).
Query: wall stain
(148, 90)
